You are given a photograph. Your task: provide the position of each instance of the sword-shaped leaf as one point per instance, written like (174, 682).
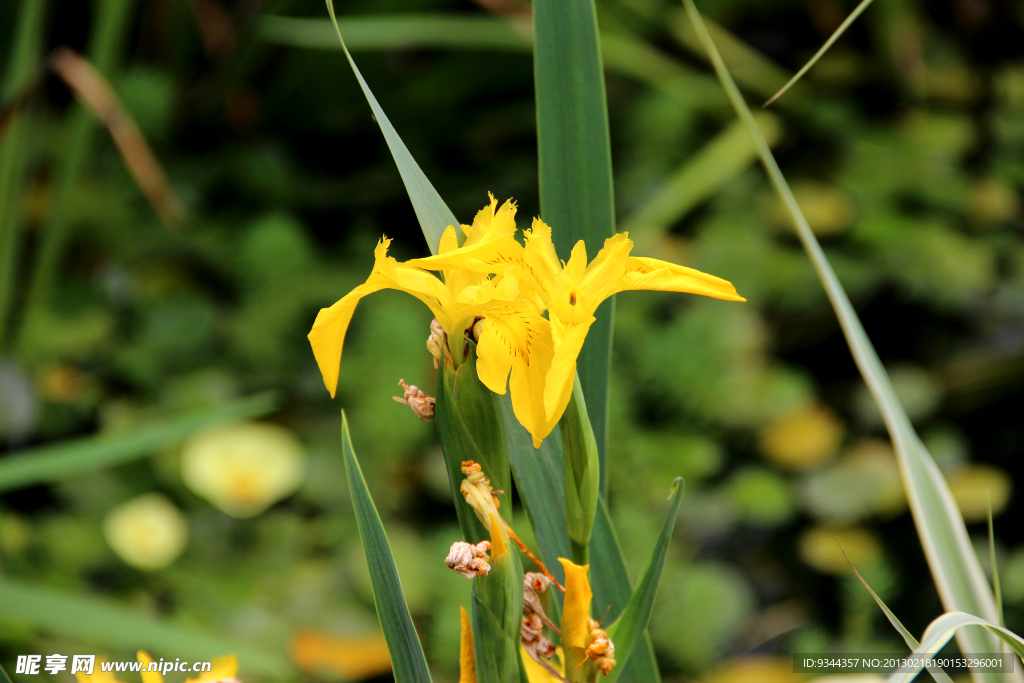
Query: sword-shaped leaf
(407, 659)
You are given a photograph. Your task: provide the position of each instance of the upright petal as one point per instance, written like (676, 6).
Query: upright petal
(467, 659)
(540, 251)
(652, 274)
(449, 240)
(491, 223)
(607, 268)
(576, 609)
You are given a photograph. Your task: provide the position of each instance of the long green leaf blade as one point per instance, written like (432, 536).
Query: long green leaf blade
(613, 591)
(942, 629)
(574, 150)
(404, 31)
(431, 211)
(539, 480)
(622, 54)
(407, 659)
(628, 630)
(105, 624)
(954, 564)
(727, 155)
(71, 458)
(937, 673)
(24, 61)
(107, 36)
(824, 48)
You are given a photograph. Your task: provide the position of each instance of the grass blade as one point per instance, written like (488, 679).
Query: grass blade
(700, 177)
(23, 63)
(400, 31)
(942, 629)
(71, 458)
(824, 48)
(622, 54)
(105, 624)
(996, 588)
(628, 630)
(613, 591)
(107, 37)
(540, 483)
(431, 211)
(751, 68)
(954, 564)
(407, 659)
(574, 151)
(938, 674)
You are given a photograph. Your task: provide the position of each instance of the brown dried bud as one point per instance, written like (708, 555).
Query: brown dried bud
(601, 649)
(420, 403)
(469, 560)
(435, 342)
(535, 583)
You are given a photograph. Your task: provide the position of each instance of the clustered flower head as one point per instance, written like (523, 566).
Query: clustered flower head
(496, 291)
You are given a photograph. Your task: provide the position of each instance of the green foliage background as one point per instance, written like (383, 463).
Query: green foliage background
(904, 148)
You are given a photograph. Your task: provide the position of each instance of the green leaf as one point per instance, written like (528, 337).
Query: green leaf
(26, 49)
(628, 629)
(700, 177)
(612, 591)
(469, 422)
(539, 482)
(942, 629)
(71, 458)
(961, 583)
(400, 31)
(623, 54)
(108, 32)
(824, 48)
(4, 678)
(431, 211)
(580, 473)
(105, 624)
(407, 659)
(996, 587)
(937, 673)
(576, 196)
(497, 619)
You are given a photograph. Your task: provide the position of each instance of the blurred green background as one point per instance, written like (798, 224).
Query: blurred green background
(904, 146)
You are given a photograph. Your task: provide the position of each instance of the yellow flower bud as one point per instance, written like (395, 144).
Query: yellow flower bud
(244, 468)
(147, 532)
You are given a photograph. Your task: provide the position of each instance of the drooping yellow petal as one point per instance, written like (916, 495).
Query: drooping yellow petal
(652, 274)
(535, 673)
(499, 547)
(512, 331)
(560, 378)
(467, 659)
(148, 676)
(222, 668)
(576, 610)
(327, 337)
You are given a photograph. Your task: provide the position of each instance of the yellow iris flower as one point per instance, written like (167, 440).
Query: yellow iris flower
(513, 336)
(508, 285)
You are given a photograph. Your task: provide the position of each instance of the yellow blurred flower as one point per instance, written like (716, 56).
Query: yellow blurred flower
(803, 439)
(223, 669)
(755, 670)
(819, 548)
(244, 468)
(147, 532)
(98, 675)
(972, 487)
(350, 658)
